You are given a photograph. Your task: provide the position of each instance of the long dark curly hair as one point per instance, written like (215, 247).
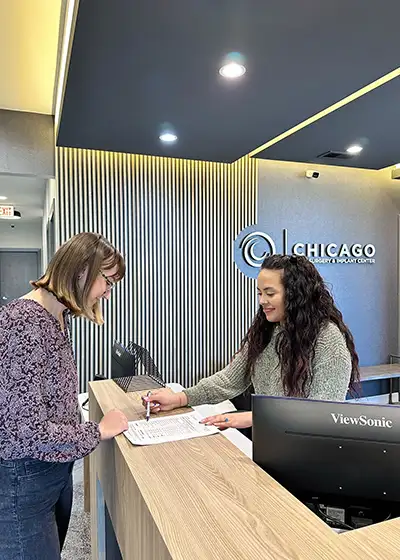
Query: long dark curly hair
(309, 306)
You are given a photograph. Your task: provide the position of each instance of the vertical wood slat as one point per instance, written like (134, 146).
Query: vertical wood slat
(175, 221)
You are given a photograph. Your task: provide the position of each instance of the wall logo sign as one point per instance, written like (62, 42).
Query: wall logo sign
(251, 242)
(252, 246)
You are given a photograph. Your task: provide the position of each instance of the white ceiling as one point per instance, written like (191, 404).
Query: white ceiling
(26, 194)
(29, 35)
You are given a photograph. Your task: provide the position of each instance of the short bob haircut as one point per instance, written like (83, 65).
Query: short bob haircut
(84, 255)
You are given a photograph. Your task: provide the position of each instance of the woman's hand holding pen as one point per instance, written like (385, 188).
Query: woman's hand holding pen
(164, 399)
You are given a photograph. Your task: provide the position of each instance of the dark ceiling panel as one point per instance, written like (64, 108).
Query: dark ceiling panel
(135, 65)
(372, 121)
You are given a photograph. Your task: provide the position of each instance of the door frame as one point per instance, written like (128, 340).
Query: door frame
(19, 250)
(51, 216)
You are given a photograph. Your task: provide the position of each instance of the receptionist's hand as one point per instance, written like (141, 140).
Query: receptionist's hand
(164, 399)
(235, 420)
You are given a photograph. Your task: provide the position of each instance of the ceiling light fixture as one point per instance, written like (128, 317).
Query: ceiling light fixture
(354, 150)
(232, 70)
(233, 66)
(168, 137)
(17, 216)
(3, 198)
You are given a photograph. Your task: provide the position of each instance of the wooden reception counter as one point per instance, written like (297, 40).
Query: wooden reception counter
(204, 499)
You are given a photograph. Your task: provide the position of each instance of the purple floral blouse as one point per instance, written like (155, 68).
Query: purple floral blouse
(39, 415)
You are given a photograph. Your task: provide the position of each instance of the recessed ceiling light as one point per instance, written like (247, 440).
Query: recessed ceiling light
(17, 216)
(168, 137)
(3, 198)
(232, 70)
(356, 149)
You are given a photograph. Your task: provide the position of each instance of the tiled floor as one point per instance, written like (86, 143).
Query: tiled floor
(77, 545)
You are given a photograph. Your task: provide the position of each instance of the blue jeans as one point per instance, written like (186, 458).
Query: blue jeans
(35, 507)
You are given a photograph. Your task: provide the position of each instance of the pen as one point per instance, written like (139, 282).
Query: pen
(148, 408)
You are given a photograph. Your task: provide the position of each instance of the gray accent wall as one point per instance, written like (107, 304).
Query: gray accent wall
(342, 206)
(27, 144)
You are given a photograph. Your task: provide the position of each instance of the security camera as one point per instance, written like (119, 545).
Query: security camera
(310, 174)
(12, 226)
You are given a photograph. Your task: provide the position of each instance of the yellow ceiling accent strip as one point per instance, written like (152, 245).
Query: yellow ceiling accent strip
(359, 93)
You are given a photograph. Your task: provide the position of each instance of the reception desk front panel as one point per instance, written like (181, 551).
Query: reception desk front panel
(204, 499)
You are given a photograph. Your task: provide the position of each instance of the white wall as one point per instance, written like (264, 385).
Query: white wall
(25, 235)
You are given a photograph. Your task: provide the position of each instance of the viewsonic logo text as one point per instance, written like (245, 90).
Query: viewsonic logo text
(362, 420)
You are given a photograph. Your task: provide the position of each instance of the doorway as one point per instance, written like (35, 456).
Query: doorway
(17, 268)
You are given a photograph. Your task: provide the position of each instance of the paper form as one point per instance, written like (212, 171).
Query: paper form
(168, 428)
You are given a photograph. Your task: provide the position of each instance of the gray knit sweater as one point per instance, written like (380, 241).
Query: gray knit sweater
(331, 368)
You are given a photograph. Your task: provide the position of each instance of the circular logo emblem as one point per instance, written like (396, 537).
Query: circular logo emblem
(250, 249)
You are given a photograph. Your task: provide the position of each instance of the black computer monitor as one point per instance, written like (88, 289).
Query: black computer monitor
(132, 359)
(123, 362)
(342, 454)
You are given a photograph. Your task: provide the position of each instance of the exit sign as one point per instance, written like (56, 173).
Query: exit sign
(6, 211)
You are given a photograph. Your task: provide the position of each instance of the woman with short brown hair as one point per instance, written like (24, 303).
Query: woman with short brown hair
(40, 430)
